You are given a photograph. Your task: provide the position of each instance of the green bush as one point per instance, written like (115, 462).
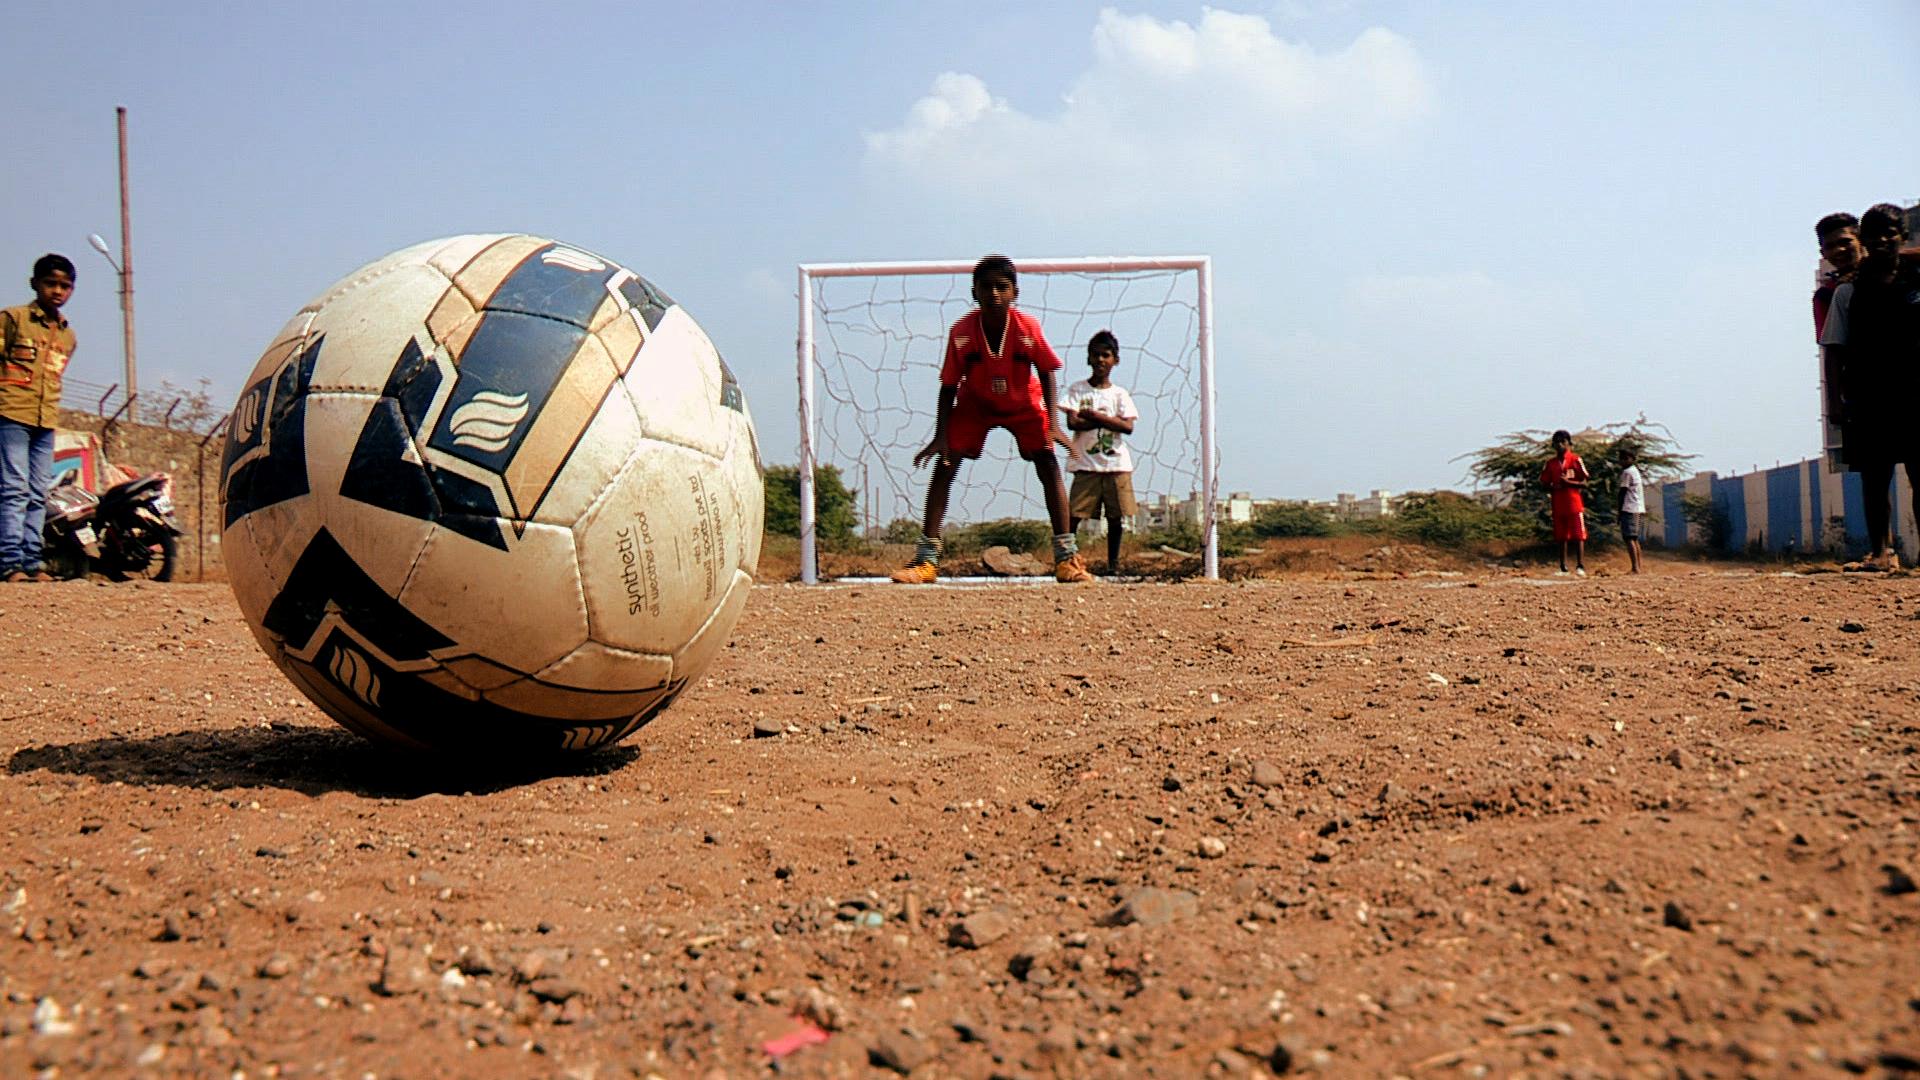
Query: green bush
(1184, 535)
(1450, 519)
(1014, 534)
(1710, 518)
(1292, 519)
(834, 518)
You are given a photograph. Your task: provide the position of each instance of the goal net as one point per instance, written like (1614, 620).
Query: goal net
(871, 339)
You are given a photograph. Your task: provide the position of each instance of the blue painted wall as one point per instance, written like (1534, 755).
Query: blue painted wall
(1672, 515)
(1784, 531)
(1730, 498)
(1780, 527)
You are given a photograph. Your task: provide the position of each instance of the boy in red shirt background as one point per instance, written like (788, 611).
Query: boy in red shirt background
(1564, 476)
(998, 373)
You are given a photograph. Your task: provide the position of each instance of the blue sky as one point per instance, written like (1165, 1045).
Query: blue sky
(1431, 223)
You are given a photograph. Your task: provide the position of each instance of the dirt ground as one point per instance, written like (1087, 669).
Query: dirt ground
(1490, 823)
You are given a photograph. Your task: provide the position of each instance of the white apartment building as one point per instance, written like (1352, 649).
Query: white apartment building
(1376, 504)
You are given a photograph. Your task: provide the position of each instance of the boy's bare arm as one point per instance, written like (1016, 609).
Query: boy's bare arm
(1050, 397)
(937, 449)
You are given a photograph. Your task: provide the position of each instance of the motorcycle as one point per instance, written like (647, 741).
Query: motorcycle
(68, 540)
(128, 532)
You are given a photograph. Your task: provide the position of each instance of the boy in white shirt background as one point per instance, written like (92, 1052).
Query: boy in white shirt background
(1100, 413)
(1633, 503)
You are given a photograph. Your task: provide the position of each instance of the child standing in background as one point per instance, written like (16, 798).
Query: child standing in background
(1100, 413)
(1633, 503)
(1564, 476)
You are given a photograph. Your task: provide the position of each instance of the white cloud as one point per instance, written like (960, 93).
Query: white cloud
(1167, 109)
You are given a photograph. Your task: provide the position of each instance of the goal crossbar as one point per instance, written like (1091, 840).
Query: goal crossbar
(1201, 265)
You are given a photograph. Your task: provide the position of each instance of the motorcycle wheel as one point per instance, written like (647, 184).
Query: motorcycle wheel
(65, 563)
(144, 557)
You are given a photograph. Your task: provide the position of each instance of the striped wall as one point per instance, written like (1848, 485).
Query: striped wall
(1798, 507)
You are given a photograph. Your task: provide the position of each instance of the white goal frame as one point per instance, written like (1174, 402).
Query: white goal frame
(1201, 264)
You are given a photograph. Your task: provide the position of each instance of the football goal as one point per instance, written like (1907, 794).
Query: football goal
(871, 339)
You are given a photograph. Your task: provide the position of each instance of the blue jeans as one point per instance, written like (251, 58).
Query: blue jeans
(26, 467)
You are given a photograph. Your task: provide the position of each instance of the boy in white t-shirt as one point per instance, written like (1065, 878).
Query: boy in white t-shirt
(1633, 503)
(1100, 413)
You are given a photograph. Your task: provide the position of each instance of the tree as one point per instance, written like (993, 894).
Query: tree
(1519, 456)
(180, 408)
(1701, 512)
(834, 517)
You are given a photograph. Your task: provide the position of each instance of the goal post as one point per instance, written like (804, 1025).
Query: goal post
(873, 380)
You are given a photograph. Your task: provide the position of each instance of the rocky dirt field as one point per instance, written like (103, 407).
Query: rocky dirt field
(1486, 824)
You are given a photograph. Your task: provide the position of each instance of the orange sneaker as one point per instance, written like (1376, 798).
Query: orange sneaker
(1072, 569)
(920, 573)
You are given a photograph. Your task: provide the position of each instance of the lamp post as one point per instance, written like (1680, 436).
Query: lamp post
(124, 266)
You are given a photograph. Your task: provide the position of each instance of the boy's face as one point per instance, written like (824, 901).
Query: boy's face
(1882, 239)
(1102, 359)
(52, 290)
(995, 293)
(1561, 446)
(1842, 248)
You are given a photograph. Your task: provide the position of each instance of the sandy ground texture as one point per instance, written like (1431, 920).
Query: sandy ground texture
(1495, 825)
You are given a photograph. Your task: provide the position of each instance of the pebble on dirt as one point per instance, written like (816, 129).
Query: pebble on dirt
(1899, 882)
(982, 928)
(1676, 916)
(1153, 906)
(899, 1050)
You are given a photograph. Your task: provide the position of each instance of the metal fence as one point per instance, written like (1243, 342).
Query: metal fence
(168, 407)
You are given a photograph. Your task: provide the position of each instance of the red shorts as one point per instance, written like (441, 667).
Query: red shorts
(1569, 525)
(967, 430)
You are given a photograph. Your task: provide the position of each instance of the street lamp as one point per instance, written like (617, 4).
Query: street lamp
(125, 274)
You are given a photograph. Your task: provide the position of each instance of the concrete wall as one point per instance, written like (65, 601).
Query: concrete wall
(1801, 507)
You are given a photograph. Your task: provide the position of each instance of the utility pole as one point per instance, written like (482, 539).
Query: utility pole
(124, 265)
(126, 259)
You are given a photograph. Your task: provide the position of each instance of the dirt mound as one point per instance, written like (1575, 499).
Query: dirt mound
(1482, 825)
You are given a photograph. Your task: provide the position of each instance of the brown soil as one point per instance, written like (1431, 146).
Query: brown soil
(1427, 826)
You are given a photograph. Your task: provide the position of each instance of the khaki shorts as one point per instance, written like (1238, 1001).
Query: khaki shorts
(1097, 491)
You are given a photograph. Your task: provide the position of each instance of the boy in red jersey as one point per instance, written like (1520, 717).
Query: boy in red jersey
(998, 372)
(1565, 475)
(1840, 253)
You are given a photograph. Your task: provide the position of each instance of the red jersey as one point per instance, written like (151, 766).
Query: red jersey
(1566, 500)
(998, 382)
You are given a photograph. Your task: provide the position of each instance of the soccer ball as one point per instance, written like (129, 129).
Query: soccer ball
(491, 495)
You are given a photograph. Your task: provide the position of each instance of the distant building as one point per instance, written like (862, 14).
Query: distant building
(1376, 504)
(1160, 512)
(1496, 498)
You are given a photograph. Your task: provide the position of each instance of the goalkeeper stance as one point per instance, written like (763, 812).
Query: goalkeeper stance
(998, 373)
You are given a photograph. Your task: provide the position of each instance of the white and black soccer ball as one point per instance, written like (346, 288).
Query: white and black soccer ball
(491, 495)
